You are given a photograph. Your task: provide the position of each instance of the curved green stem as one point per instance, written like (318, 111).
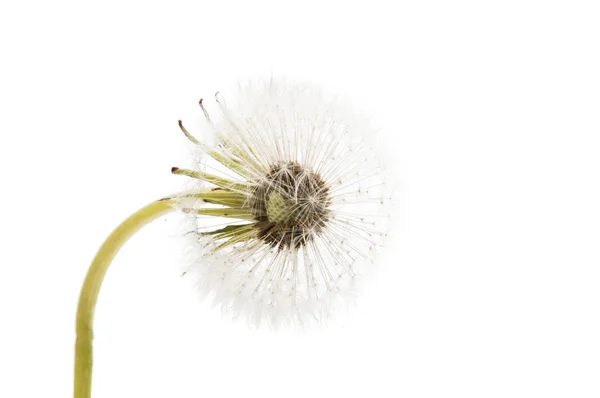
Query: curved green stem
(91, 287)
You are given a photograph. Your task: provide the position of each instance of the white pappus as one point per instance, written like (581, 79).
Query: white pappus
(291, 204)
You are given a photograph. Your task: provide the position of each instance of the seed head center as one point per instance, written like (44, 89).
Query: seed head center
(291, 205)
(279, 209)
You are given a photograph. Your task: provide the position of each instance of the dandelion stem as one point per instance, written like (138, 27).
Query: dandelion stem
(91, 288)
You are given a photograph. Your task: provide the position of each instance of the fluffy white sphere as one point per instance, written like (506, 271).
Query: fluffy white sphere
(300, 206)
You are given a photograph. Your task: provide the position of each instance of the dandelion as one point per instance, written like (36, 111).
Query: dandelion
(288, 208)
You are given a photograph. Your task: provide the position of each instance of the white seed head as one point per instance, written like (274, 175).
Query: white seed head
(299, 207)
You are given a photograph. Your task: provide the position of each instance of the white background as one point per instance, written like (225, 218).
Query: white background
(489, 112)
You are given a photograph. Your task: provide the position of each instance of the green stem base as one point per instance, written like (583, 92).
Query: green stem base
(91, 288)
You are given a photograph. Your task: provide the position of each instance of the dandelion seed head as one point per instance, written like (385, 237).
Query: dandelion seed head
(301, 204)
